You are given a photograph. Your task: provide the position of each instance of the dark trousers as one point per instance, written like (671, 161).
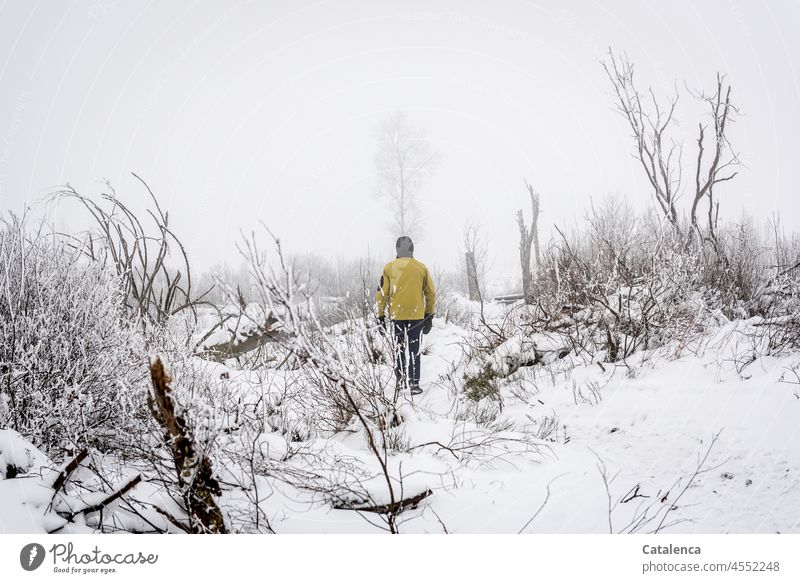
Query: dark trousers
(407, 334)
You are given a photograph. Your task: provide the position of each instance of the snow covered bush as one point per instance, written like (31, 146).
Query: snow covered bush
(737, 266)
(71, 367)
(620, 283)
(451, 303)
(668, 303)
(148, 258)
(779, 303)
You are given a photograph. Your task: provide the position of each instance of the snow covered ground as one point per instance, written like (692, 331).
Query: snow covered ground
(616, 450)
(648, 425)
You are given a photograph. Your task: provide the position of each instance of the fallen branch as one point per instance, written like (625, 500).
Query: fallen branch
(63, 476)
(392, 507)
(237, 347)
(172, 520)
(632, 493)
(108, 500)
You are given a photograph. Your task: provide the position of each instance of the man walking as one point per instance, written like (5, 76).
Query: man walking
(407, 292)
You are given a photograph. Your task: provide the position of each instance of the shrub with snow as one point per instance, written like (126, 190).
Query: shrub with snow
(71, 367)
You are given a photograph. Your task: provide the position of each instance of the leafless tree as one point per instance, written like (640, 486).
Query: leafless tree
(650, 120)
(723, 157)
(475, 250)
(614, 237)
(529, 237)
(404, 160)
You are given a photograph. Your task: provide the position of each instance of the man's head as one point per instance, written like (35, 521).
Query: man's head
(404, 247)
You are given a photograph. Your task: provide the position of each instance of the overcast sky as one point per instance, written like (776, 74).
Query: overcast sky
(236, 112)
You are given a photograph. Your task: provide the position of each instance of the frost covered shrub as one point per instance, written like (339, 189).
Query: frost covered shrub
(71, 368)
(345, 368)
(457, 308)
(597, 308)
(737, 267)
(609, 250)
(669, 303)
(779, 303)
(622, 283)
(360, 383)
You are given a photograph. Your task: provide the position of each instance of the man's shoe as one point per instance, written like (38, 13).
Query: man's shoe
(415, 390)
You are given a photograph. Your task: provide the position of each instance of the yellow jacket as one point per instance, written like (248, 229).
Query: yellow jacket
(407, 289)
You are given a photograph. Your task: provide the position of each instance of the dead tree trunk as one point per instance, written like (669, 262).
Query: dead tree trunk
(651, 120)
(472, 277)
(475, 249)
(535, 225)
(529, 237)
(195, 475)
(525, 259)
(721, 111)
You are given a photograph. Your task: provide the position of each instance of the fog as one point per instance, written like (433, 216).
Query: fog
(240, 112)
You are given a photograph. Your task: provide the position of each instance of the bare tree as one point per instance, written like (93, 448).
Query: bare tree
(614, 238)
(403, 161)
(650, 120)
(476, 251)
(529, 237)
(721, 110)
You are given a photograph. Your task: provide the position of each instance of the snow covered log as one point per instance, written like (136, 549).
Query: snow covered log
(237, 332)
(239, 345)
(390, 508)
(195, 475)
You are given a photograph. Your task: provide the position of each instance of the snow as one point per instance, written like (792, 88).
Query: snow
(22, 497)
(23, 506)
(17, 455)
(648, 429)
(591, 433)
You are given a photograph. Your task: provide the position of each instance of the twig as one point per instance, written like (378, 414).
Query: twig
(544, 502)
(105, 502)
(63, 476)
